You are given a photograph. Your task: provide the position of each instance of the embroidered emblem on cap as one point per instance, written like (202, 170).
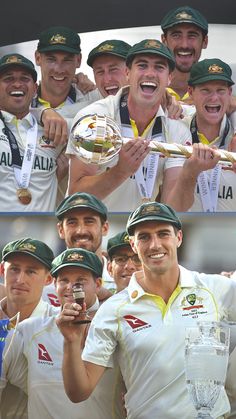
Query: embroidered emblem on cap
(75, 256)
(79, 201)
(134, 294)
(57, 39)
(13, 59)
(27, 246)
(183, 15)
(214, 68)
(150, 208)
(152, 44)
(126, 239)
(106, 47)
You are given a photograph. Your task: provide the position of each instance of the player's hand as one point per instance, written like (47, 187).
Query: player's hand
(232, 147)
(131, 156)
(66, 322)
(55, 126)
(202, 158)
(83, 83)
(174, 108)
(62, 166)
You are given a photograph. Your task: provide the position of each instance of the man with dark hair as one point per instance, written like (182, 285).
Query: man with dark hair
(58, 55)
(185, 32)
(28, 158)
(123, 262)
(133, 175)
(144, 325)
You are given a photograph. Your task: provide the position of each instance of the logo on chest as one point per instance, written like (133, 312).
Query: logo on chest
(193, 306)
(43, 355)
(135, 323)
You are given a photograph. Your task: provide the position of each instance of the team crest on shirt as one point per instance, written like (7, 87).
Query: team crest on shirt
(46, 143)
(135, 323)
(192, 305)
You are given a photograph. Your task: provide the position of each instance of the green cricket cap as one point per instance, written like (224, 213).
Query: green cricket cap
(80, 258)
(11, 60)
(81, 200)
(151, 46)
(35, 248)
(110, 47)
(59, 38)
(208, 70)
(184, 14)
(152, 211)
(116, 242)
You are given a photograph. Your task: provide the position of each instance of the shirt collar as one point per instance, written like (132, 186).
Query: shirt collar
(135, 291)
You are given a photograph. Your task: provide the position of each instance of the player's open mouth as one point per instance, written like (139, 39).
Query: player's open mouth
(213, 108)
(111, 90)
(17, 93)
(148, 86)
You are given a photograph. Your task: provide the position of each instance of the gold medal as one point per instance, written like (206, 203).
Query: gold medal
(24, 196)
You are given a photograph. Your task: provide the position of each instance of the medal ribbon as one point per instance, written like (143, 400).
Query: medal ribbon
(22, 169)
(209, 191)
(145, 187)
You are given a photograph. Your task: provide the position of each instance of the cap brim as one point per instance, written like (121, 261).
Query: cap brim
(21, 65)
(213, 77)
(61, 214)
(147, 51)
(94, 56)
(164, 28)
(76, 264)
(14, 252)
(152, 218)
(59, 48)
(113, 249)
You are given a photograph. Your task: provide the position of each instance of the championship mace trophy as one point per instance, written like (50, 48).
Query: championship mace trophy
(97, 139)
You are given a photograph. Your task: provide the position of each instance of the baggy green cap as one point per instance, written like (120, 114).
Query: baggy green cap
(151, 46)
(110, 47)
(35, 248)
(81, 200)
(18, 60)
(208, 70)
(184, 14)
(59, 38)
(116, 242)
(77, 257)
(152, 211)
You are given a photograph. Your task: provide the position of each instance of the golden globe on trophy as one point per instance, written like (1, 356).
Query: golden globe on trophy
(97, 139)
